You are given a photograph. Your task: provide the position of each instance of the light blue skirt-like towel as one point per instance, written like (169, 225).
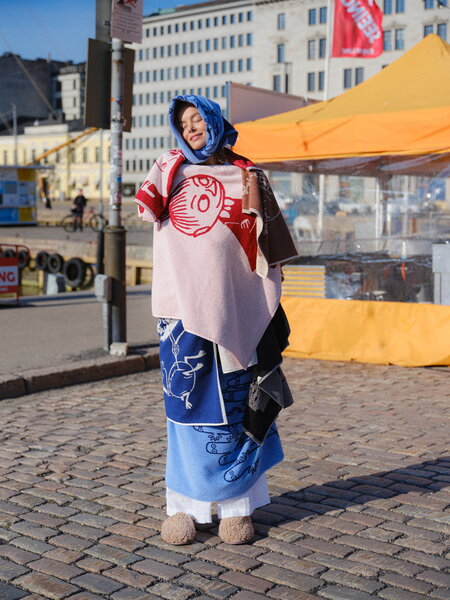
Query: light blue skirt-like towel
(219, 462)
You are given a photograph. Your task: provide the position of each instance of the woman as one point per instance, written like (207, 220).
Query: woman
(218, 244)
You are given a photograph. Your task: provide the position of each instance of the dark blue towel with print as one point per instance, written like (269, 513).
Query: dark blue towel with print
(190, 376)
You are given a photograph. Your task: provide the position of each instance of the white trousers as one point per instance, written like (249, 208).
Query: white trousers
(240, 506)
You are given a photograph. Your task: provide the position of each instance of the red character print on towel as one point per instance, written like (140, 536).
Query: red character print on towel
(168, 159)
(200, 201)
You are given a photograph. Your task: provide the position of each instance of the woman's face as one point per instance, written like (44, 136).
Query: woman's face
(192, 127)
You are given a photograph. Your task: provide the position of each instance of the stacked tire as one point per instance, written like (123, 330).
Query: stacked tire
(74, 270)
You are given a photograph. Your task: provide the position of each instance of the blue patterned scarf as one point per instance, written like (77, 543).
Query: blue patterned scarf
(219, 131)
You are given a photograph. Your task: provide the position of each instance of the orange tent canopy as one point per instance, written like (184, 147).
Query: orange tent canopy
(403, 110)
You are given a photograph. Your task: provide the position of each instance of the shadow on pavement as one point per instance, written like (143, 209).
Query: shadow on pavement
(412, 485)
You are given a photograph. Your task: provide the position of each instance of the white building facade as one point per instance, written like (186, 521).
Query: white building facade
(273, 44)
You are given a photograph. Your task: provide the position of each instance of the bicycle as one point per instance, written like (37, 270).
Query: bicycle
(95, 221)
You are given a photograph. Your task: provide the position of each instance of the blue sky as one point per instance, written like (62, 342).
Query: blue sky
(37, 28)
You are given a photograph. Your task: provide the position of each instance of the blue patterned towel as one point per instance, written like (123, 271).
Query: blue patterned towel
(190, 376)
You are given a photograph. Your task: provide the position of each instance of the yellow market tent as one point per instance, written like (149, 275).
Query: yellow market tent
(398, 121)
(404, 110)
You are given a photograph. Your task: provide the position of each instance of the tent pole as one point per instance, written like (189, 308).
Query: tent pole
(329, 42)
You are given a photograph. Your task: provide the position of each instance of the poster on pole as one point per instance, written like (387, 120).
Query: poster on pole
(126, 20)
(358, 30)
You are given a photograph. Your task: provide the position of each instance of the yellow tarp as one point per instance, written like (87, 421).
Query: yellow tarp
(404, 334)
(402, 110)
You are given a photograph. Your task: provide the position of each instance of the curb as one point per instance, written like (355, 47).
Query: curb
(83, 371)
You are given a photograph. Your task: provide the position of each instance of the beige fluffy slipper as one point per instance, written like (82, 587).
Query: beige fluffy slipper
(236, 530)
(179, 529)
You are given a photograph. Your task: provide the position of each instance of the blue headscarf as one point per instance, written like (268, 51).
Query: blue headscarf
(219, 131)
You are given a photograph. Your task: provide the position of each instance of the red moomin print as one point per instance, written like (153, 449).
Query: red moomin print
(200, 201)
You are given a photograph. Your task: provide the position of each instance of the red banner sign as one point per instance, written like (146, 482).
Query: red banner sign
(9, 276)
(358, 30)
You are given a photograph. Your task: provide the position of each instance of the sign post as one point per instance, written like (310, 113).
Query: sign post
(126, 26)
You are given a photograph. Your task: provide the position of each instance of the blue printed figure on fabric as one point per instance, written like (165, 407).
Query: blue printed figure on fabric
(189, 376)
(238, 455)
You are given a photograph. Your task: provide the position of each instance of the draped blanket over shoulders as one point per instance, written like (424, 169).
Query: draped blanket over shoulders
(218, 241)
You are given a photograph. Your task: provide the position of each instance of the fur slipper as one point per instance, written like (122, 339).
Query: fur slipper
(236, 530)
(179, 529)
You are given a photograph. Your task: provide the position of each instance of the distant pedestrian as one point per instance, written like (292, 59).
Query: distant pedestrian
(78, 206)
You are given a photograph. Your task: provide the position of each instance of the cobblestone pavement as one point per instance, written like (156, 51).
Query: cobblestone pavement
(360, 507)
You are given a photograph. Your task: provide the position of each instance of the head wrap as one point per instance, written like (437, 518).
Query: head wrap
(219, 131)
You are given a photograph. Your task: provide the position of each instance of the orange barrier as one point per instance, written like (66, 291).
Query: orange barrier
(399, 333)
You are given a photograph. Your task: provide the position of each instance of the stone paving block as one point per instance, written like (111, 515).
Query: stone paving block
(396, 594)
(283, 593)
(22, 557)
(246, 581)
(287, 578)
(46, 585)
(10, 592)
(156, 569)
(228, 560)
(343, 593)
(54, 567)
(93, 565)
(351, 581)
(217, 589)
(10, 570)
(407, 583)
(35, 546)
(97, 583)
(132, 594)
(129, 577)
(169, 591)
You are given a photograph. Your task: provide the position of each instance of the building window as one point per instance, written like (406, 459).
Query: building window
(216, 21)
(347, 78)
(281, 21)
(387, 40)
(323, 14)
(399, 6)
(224, 20)
(399, 39)
(208, 22)
(224, 43)
(442, 30)
(311, 49)
(322, 47)
(232, 19)
(359, 75)
(216, 68)
(250, 15)
(192, 47)
(232, 41)
(240, 65)
(200, 46)
(224, 66)
(232, 66)
(387, 7)
(311, 82)
(281, 53)
(249, 39)
(249, 64)
(241, 39)
(312, 16)
(427, 29)
(199, 24)
(277, 83)
(321, 80)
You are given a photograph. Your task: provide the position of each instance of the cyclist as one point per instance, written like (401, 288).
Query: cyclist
(78, 209)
